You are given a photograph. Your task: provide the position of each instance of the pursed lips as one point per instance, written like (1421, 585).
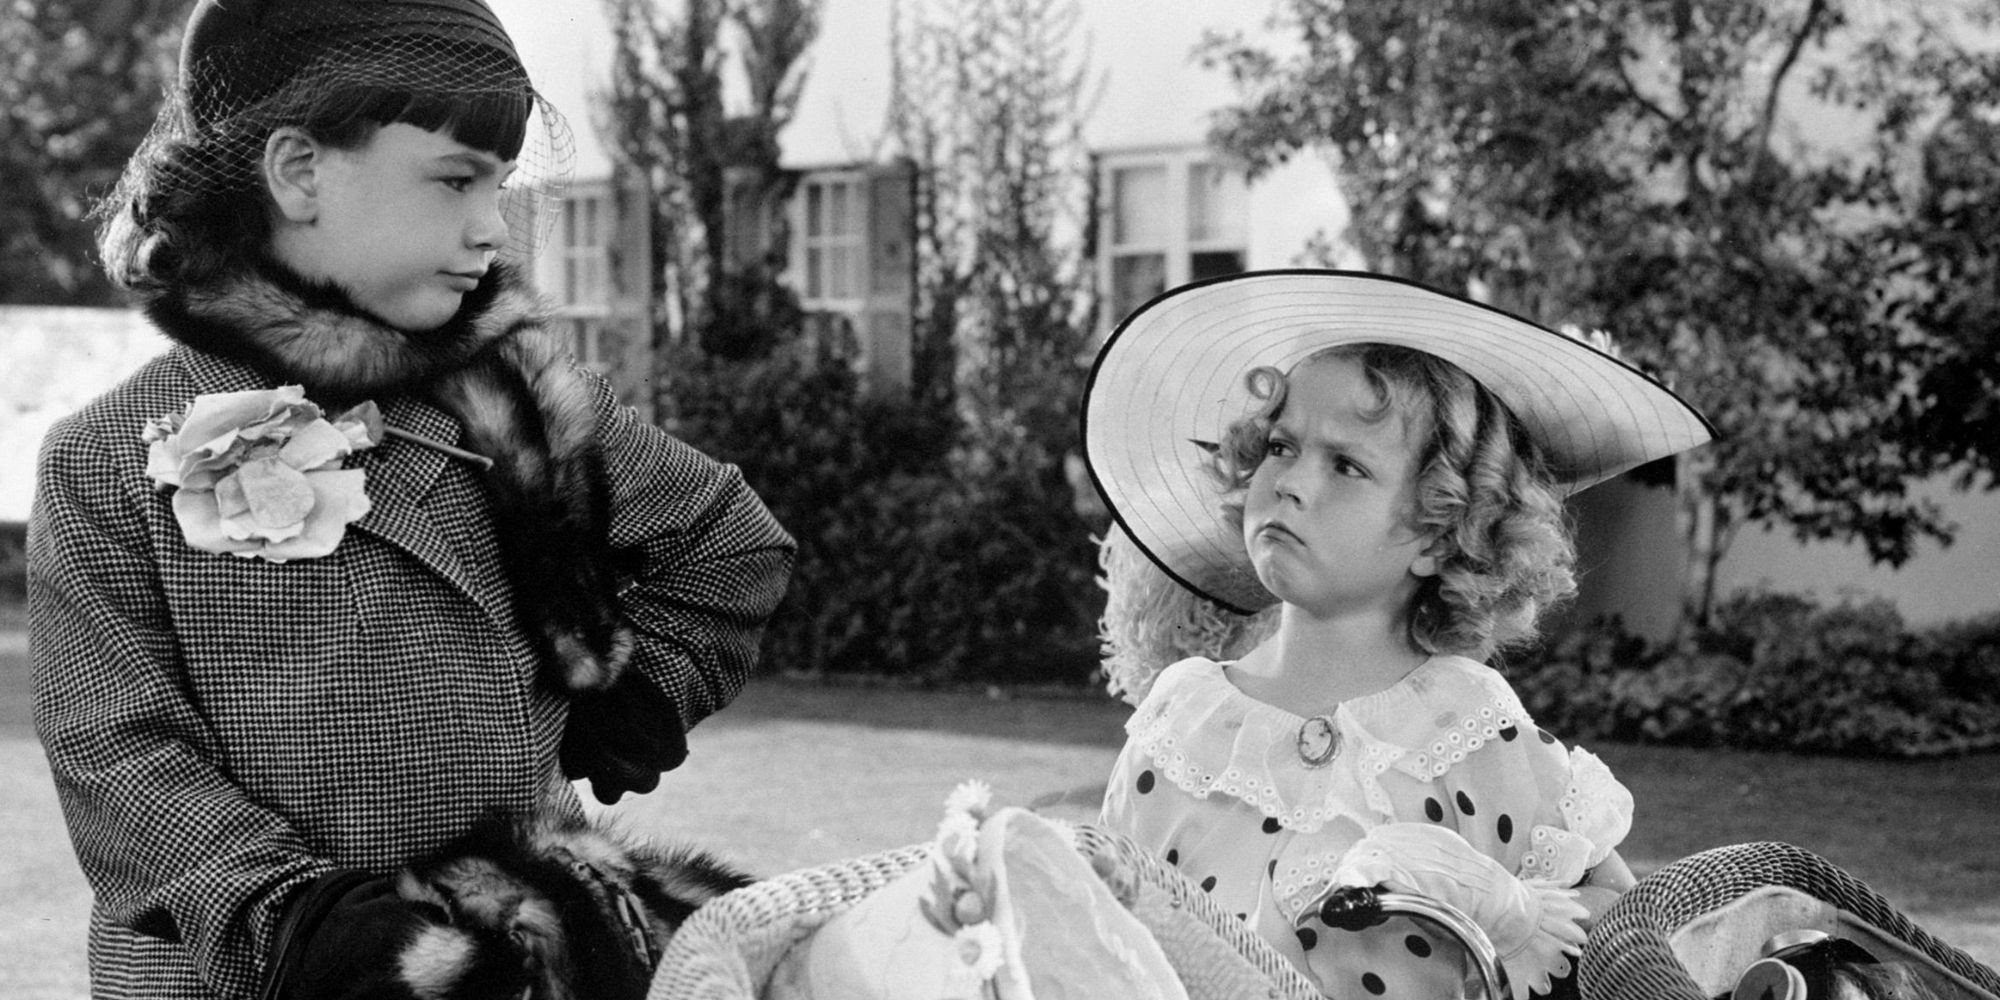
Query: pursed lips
(1277, 529)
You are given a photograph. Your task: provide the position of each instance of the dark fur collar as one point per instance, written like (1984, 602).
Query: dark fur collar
(311, 333)
(504, 373)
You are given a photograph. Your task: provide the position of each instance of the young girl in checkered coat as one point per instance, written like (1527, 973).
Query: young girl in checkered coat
(364, 558)
(1301, 608)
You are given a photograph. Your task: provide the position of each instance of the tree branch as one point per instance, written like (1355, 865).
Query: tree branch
(1814, 11)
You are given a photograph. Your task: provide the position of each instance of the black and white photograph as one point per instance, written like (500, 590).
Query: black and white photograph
(1000, 499)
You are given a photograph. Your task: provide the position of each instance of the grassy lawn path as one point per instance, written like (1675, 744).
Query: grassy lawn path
(796, 775)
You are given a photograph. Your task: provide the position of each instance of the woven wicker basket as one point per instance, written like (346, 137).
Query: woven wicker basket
(729, 948)
(1631, 954)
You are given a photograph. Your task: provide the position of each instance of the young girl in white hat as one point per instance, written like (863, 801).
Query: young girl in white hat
(1337, 495)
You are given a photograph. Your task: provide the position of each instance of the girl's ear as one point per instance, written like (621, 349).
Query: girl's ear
(292, 160)
(1426, 562)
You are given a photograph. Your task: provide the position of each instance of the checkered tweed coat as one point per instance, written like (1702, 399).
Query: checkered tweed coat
(223, 729)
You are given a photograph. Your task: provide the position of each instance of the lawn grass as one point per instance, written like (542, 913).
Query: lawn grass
(799, 774)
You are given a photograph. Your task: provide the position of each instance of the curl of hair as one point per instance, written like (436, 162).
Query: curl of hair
(1503, 542)
(192, 202)
(1150, 621)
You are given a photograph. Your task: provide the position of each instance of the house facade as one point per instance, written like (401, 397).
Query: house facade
(1171, 211)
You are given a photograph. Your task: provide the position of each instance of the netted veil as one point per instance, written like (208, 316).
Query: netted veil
(248, 67)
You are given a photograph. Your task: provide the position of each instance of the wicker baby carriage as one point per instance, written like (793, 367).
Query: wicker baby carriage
(1681, 934)
(1685, 931)
(728, 949)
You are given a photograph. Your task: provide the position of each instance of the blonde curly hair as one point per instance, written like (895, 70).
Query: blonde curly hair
(1505, 553)
(1150, 621)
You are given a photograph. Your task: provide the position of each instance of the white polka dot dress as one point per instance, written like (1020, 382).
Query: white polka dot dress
(1217, 784)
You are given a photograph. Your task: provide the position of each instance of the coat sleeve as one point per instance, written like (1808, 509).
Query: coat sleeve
(171, 846)
(714, 561)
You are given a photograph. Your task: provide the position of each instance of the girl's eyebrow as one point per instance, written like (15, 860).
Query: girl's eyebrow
(1341, 445)
(480, 164)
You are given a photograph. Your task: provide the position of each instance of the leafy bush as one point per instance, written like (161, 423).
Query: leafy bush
(13, 563)
(914, 562)
(1777, 671)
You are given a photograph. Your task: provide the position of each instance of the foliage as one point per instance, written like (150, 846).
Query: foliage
(1938, 100)
(13, 563)
(1660, 170)
(83, 83)
(665, 119)
(989, 102)
(908, 566)
(1778, 672)
(939, 538)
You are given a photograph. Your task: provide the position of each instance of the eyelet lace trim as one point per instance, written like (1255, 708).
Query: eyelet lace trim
(1295, 883)
(1472, 731)
(1208, 738)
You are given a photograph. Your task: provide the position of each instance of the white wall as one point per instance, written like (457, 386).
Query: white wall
(52, 361)
(1938, 584)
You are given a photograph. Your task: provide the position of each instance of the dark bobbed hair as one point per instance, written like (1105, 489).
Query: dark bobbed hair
(1504, 551)
(193, 204)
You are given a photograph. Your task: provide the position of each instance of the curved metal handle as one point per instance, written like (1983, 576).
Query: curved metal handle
(1352, 908)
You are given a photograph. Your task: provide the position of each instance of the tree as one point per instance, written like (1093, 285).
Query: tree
(84, 80)
(665, 119)
(989, 102)
(1638, 166)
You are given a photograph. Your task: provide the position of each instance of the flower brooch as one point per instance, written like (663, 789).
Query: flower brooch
(262, 474)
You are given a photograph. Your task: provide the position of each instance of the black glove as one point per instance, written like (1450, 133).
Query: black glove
(622, 738)
(349, 936)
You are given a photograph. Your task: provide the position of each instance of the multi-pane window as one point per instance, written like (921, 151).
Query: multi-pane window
(586, 261)
(833, 241)
(576, 270)
(1172, 218)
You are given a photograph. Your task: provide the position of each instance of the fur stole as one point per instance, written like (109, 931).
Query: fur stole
(503, 373)
(535, 908)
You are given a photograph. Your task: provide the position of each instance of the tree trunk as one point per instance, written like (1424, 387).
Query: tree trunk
(1700, 520)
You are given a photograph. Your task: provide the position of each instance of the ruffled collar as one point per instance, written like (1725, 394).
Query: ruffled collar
(1207, 737)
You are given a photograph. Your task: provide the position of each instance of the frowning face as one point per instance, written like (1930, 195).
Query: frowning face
(1326, 517)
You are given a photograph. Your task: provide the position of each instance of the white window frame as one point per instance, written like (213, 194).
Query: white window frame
(574, 269)
(584, 250)
(1177, 245)
(814, 245)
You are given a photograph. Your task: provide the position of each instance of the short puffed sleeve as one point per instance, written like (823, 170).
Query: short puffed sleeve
(1513, 790)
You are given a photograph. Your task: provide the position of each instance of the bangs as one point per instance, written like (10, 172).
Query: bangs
(475, 94)
(490, 122)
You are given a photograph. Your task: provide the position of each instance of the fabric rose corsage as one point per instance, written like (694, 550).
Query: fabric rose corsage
(260, 474)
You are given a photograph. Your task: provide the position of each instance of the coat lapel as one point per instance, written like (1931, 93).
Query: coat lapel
(402, 480)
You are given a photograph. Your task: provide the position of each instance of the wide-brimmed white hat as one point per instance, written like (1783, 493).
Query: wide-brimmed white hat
(1171, 378)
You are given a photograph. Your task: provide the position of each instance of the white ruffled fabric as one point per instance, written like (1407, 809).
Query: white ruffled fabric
(1051, 929)
(1536, 927)
(1211, 779)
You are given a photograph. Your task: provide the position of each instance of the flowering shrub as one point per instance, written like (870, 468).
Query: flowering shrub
(1779, 672)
